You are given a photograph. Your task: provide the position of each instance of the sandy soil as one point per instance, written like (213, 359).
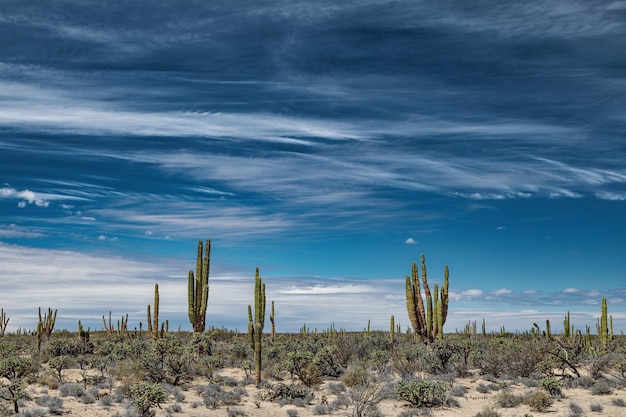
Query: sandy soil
(468, 405)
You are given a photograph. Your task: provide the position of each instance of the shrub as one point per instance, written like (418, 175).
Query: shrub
(356, 374)
(487, 412)
(235, 412)
(482, 388)
(618, 402)
(365, 399)
(458, 391)
(506, 399)
(596, 408)
(289, 394)
(106, 401)
(292, 413)
(71, 390)
(551, 385)
(422, 392)
(574, 410)
(539, 401)
(54, 404)
(601, 388)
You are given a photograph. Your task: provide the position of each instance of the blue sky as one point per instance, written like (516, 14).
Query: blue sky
(329, 144)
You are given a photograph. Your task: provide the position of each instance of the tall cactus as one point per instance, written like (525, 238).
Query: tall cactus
(604, 325)
(4, 321)
(45, 326)
(392, 327)
(256, 323)
(427, 318)
(153, 323)
(198, 289)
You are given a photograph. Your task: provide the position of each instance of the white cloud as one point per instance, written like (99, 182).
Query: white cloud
(27, 197)
(410, 241)
(502, 291)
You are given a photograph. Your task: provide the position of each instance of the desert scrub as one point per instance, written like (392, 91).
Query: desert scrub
(54, 404)
(506, 399)
(214, 396)
(618, 402)
(288, 394)
(71, 390)
(422, 392)
(596, 408)
(365, 398)
(538, 400)
(487, 412)
(574, 410)
(601, 388)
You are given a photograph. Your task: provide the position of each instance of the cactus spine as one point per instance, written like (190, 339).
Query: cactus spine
(256, 323)
(153, 323)
(198, 289)
(427, 320)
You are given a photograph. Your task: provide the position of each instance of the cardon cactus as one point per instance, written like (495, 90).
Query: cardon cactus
(198, 289)
(426, 318)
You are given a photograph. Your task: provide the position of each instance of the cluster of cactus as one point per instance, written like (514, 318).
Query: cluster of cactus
(427, 320)
(82, 333)
(198, 289)
(4, 321)
(256, 323)
(45, 325)
(122, 325)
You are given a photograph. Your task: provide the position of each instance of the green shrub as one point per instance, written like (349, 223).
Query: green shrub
(506, 399)
(538, 401)
(422, 392)
(551, 385)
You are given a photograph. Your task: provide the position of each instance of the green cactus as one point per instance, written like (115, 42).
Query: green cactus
(4, 321)
(256, 323)
(153, 323)
(604, 325)
(45, 326)
(198, 289)
(82, 333)
(122, 325)
(427, 319)
(568, 329)
(548, 333)
(272, 321)
(392, 327)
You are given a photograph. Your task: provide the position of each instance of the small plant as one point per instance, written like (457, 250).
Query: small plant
(601, 388)
(551, 385)
(71, 390)
(487, 412)
(506, 399)
(596, 408)
(54, 404)
(235, 412)
(574, 410)
(618, 402)
(539, 401)
(482, 388)
(292, 413)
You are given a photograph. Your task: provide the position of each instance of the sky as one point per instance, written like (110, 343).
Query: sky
(327, 143)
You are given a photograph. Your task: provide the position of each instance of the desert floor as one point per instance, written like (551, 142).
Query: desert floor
(468, 405)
